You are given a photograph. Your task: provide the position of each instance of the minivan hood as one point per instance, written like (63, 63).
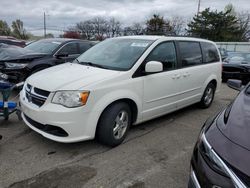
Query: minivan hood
(237, 126)
(69, 76)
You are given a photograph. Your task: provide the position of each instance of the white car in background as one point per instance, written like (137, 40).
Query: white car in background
(120, 82)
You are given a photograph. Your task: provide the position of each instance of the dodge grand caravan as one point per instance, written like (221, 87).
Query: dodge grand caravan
(118, 83)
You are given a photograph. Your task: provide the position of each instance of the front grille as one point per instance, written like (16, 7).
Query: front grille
(35, 100)
(41, 92)
(50, 129)
(233, 69)
(35, 95)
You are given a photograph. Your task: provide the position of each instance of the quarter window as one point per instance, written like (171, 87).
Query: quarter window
(210, 53)
(165, 53)
(190, 53)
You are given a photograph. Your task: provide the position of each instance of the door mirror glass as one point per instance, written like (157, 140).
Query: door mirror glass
(153, 67)
(235, 84)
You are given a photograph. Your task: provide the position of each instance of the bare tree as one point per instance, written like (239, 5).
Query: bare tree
(114, 27)
(128, 31)
(177, 24)
(86, 29)
(138, 28)
(101, 27)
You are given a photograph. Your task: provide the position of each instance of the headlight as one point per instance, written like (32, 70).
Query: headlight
(211, 156)
(71, 99)
(15, 65)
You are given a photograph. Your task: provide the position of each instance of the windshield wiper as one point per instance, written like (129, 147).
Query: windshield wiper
(91, 64)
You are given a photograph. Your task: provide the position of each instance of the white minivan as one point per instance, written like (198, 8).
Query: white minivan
(120, 82)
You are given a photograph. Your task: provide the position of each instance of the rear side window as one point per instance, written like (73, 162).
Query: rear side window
(190, 53)
(84, 46)
(210, 53)
(165, 53)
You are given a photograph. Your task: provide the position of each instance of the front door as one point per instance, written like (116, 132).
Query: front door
(71, 49)
(161, 90)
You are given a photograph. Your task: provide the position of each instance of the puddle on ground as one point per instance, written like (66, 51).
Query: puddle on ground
(65, 177)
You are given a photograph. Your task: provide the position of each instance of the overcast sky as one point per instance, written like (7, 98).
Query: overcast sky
(64, 13)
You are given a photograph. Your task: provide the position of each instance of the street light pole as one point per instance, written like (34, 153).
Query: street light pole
(44, 24)
(199, 5)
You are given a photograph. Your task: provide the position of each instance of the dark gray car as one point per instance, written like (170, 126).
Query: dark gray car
(19, 63)
(222, 153)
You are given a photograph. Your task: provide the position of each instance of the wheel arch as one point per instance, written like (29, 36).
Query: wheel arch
(212, 79)
(132, 104)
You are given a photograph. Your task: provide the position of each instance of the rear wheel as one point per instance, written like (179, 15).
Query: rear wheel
(114, 124)
(208, 96)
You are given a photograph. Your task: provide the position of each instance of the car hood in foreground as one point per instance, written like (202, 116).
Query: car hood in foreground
(69, 76)
(235, 156)
(236, 125)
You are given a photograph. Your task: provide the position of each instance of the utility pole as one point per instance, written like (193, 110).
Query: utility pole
(199, 5)
(44, 24)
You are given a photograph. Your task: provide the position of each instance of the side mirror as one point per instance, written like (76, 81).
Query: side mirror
(61, 55)
(153, 67)
(235, 84)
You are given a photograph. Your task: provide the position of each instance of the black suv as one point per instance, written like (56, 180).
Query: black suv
(16, 64)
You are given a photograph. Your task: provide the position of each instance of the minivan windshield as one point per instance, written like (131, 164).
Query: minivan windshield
(116, 54)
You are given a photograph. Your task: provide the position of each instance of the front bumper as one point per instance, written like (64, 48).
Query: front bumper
(245, 77)
(14, 75)
(78, 123)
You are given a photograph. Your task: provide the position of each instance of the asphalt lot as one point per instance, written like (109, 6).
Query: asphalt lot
(155, 154)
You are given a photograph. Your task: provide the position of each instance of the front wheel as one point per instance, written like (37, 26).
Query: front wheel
(114, 124)
(208, 96)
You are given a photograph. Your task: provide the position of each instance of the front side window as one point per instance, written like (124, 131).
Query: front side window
(210, 53)
(70, 48)
(84, 46)
(164, 53)
(190, 53)
(115, 54)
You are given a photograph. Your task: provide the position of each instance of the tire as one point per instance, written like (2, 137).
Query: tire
(208, 96)
(116, 116)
